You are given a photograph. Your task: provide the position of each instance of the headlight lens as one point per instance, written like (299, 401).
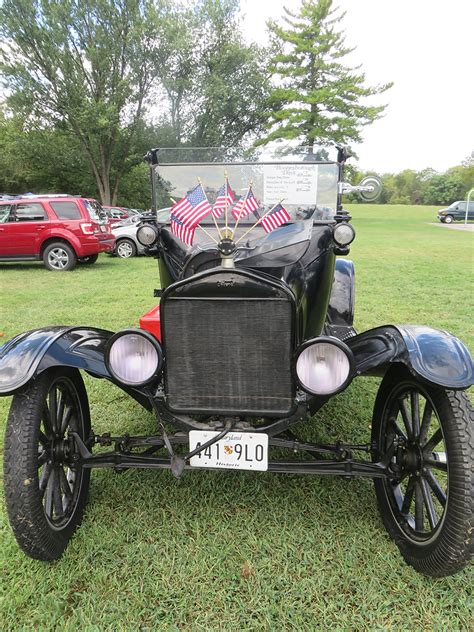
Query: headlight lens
(324, 367)
(344, 234)
(147, 235)
(133, 358)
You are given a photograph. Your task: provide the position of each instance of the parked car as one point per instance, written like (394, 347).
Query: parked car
(126, 242)
(60, 230)
(456, 212)
(253, 336)
(115, 214)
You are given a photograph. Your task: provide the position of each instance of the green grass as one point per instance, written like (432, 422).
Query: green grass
(238, 551)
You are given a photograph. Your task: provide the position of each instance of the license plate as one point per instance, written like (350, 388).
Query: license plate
(103, 228)
(236, 451)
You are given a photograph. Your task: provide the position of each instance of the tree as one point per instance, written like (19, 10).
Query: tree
(216, 84)
(86, 65)
(444, 188)
(318, 99)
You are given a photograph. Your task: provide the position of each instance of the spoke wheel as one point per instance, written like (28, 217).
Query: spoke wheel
(46, 488)
(429, 501)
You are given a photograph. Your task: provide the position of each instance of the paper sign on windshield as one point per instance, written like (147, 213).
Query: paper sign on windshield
(297, 184)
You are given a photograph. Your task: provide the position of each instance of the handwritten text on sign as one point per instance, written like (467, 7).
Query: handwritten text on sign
(296, 184)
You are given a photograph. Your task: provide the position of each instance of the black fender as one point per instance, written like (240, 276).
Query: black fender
(27, 355)
(342, 300)
(435, 356)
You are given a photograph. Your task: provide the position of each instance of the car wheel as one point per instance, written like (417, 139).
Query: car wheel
(428, 505)
(45, 485)
(448, 219)
(125, 249)
(59, 257)
(88, 261)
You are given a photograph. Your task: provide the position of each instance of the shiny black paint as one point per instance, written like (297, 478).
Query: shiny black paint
(29, 354)
(342, 300)
(433, 355)
(305, 264)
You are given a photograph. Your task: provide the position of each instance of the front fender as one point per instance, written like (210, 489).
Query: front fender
(27, 355)
(431, 354)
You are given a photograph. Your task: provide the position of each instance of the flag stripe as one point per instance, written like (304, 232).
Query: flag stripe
(275, 218)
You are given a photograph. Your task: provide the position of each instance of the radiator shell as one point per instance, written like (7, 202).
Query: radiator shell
(228, 339)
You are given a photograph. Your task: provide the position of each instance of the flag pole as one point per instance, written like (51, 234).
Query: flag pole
(199, 226)
(241, 210)
(226, 230)
(258, 221)
(212, 213)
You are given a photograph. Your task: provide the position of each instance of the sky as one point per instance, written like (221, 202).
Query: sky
(426, 47)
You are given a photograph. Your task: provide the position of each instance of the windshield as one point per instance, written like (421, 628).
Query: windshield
(304, 181)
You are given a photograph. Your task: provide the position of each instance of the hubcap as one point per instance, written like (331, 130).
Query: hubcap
(60, 479)
(58, 258)
(418, 495)
(124, 250)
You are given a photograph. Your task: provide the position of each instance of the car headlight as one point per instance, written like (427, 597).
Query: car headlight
(147, 234)
(324, 366)
(133, 357)
(344, 234)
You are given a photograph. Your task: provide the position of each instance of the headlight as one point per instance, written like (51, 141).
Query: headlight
(147, 234)
(133, 357)
(344, 234)
(324, 366)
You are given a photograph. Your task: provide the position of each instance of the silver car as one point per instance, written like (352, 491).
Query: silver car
(125, 232)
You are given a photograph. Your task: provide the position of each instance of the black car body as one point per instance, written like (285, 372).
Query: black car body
(253, 335)
(456, 212)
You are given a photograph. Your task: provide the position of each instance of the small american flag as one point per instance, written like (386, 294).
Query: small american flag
(275, 218)
(188, 212)
(225, 197)
(245, 205)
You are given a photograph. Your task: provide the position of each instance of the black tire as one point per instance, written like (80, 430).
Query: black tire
(431, 523)
(44, 502)
(125, 249)
(449, 219)
(59, 257)
(88, 261)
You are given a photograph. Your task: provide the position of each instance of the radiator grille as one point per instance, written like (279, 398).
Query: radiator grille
(228, 355)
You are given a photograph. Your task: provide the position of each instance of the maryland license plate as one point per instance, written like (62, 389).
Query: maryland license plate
(237, 450)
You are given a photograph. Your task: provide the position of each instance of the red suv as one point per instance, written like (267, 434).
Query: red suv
(60, 230)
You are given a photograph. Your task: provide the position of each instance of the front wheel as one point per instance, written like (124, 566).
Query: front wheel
(428, 505)
(449, 219)
(45, 486)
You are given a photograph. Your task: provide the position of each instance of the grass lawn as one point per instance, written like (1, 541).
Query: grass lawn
(238, 551)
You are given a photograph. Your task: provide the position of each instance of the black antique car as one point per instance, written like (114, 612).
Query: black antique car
(253, 335)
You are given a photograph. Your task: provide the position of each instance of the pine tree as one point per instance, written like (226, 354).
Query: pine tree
(318, 99)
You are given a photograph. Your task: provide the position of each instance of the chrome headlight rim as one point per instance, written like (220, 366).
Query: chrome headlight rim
(147, 244)
(337, 343)
(144, 334)
(334, 234)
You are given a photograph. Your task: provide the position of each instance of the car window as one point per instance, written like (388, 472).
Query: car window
(4, 212)
(31, 212)
(66, 210)
(95, 210)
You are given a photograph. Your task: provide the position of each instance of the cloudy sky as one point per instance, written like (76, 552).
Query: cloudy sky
(426, 47)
